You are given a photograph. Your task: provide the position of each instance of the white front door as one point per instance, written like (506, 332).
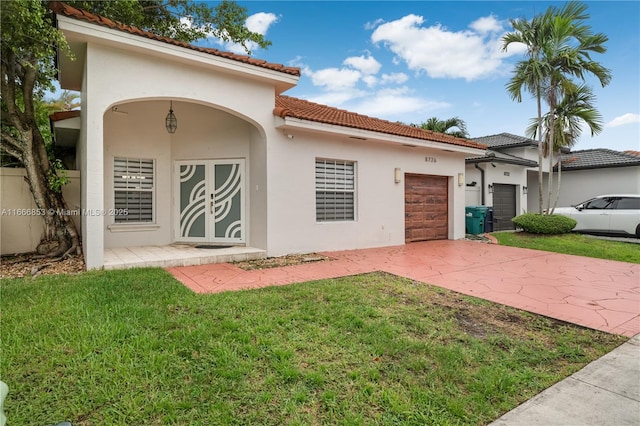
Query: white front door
(210, 201)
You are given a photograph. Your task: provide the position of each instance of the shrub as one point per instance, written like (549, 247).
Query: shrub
(544, 224)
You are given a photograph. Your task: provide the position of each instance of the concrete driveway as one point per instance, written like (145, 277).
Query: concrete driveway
(600, 294)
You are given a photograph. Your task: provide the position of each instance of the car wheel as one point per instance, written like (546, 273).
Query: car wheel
(638, 231)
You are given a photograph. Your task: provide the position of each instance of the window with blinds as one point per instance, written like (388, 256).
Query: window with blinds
(335, 190)
(133, 183)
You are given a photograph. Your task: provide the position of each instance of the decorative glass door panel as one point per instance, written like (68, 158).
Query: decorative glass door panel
(210, 200)
(192, 201)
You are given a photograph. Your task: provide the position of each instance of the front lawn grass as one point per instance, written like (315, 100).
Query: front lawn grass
(136, 347)
(577, 244)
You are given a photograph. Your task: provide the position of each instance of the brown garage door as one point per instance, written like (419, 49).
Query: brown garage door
(504, 207)
(426, 202)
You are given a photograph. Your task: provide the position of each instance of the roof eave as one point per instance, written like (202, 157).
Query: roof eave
(525, 163)
(597, 166)
(290, 123)
(85, 31)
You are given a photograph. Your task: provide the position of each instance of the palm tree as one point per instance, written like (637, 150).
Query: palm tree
(445, 126)
(575, 108)
(559, 45)
(67, 101)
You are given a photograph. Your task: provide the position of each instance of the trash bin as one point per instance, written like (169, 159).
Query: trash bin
(475, 216)
(488, 221)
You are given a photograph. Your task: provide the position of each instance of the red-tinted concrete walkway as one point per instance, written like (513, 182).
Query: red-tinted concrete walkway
(599, 294)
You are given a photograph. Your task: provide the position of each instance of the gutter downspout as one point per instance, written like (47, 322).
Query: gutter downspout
(481, 182)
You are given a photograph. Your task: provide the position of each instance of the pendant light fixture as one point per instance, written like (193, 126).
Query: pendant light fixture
(171, 122)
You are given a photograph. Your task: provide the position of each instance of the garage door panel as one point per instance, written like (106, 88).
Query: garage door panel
(504, 207)
(426, 207)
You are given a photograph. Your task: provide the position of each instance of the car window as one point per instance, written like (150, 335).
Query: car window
(599, 203)
(625, 203)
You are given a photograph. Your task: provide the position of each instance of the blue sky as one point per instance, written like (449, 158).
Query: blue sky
(408, 61)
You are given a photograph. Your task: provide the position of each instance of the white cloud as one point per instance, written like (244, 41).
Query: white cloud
(395, 103)
(441, 53)
(356, 69)
(487, 24)
(372, 25)
(366, 64)
(370, 80)
(627, 118)
(260, 22)
(336, 99)
(396, 77)
(334, 78)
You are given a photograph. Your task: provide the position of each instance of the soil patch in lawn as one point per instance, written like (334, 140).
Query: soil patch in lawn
(280, 261)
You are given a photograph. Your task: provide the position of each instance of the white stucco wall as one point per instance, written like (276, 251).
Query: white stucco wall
(530, 153)
(473, 192)
(21, 227)
(379, 201)
(581, 185)
(500, 174)
(118, 78)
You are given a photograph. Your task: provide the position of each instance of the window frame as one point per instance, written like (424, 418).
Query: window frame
(139, 177)
(319, 189)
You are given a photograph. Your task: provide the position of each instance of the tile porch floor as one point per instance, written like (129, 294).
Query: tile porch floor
(175, 255)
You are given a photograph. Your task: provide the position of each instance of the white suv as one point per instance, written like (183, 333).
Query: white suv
(607, 214)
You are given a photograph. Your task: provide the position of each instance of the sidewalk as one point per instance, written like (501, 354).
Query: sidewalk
(605, 392)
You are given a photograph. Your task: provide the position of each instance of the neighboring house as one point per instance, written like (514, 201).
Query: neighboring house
(246, 165)
(588, 173)
(506, 177)
(501, 177)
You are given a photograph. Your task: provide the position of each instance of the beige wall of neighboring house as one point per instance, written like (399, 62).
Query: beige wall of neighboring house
(581, 185)
(21, 224)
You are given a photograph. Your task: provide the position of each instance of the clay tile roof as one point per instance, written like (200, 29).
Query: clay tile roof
(63, 115)
(505, 140)
(287, 106)
(630, 152)
(71, 12)
(598, 158)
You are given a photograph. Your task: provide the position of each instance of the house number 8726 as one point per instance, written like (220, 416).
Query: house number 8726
(430, 159)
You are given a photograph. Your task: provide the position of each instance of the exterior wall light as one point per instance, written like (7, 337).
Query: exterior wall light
(490, 189)
(171, 122)
(525, 190)
(460, 179)
(397, 175)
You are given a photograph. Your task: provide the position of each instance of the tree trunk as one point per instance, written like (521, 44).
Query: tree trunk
(555, 203)
(550, 180)
(540, 156)
(550, 143)
(59, 228)
(22, 139)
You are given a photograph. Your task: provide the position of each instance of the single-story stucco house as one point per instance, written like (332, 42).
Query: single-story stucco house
(500, 177)
(246, 165)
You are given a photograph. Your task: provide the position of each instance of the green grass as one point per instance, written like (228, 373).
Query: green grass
(138, 348)
(577, 244)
